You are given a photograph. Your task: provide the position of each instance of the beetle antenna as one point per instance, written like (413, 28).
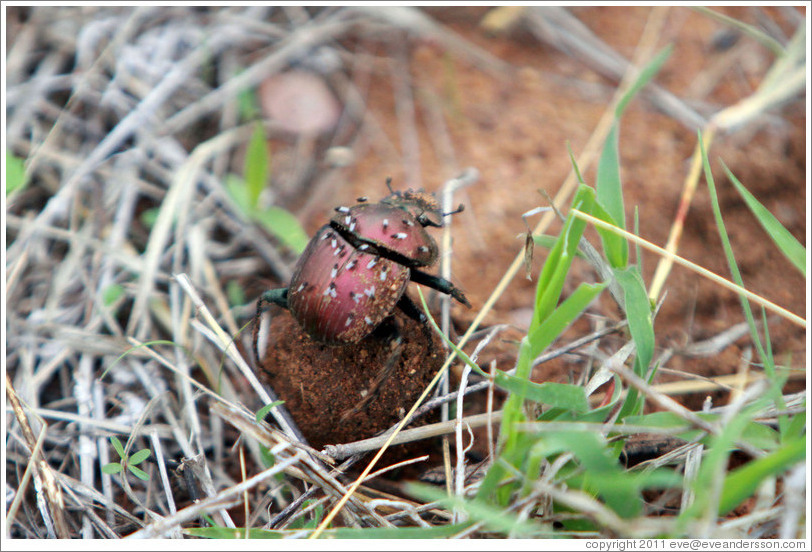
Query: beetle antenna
(459, 209)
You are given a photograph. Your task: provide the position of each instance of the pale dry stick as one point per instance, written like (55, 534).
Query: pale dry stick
(794, 318)
(161, 528)
(310, 469)
(466, 178)
(180, 313)
(182, 187)
(159, 459)
(598, 136)
(52, 503)
(30, 469)
(227, 345)
(84, 383)
(460, 473)
(342, 451)
(103, 451)
(130, 124)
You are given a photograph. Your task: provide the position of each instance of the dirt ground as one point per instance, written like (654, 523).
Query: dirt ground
(516, 134)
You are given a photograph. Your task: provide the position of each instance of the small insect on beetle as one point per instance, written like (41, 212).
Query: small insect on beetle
(355, 270)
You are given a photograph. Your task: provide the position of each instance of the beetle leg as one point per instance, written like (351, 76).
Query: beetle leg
(276, 296)
(440, 284)
(410, 309)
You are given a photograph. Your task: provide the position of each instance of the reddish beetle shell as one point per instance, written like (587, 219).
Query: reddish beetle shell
(338, 293)
(391, 228)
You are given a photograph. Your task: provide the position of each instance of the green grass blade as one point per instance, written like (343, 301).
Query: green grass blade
(608, 187)
(786, 242)
(256, 165)
(638, 313)
(609, 204)
(646, 74)
(769, 368)
(742, 483)
(556, 267)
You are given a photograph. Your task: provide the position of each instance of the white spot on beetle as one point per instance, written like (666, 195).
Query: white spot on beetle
(334, 243)
(301, 287)
(349, 320)
(351, 264)
(355, 296)
(400, 236)
(368, 320)
(362, 199)
(385, 224)
(339, 250)
(347, 219)
(407, 222)
(383, 275)
(343, 209)
(331, 290)
(352, 226)
(326, 235)
(373, 262)
(334, 272)
(370, 292)
(423, 249)
(363, 247)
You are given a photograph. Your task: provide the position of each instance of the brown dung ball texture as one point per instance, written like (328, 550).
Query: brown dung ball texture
(336, 393)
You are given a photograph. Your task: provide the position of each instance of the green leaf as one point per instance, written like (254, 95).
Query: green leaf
(268, 459)
(786, 242)
(556, 267)
(247, 105)
(256, 166)
(285, 227)
(138, 472)
(742, 483)
(263, 412)
(236, 188)
(609, 196)
(118, 446)
(235, 293)
(138, 457)
(561, 395)
(112, 468)
(111, 294)
(648, 73)
(149, 216)
(15, 173)
(608, 188)
(638, 312)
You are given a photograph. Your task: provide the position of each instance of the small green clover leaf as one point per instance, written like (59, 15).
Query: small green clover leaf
(131, 461)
